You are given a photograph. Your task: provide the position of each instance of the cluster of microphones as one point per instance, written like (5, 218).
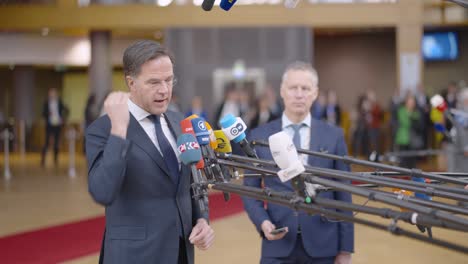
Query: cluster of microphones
(226, 5)
(214, 165)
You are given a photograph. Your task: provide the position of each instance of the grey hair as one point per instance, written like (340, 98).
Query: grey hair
(463, 94)
(301, 66)
(139, 53)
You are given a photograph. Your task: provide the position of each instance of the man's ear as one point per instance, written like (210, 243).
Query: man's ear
(130, 82)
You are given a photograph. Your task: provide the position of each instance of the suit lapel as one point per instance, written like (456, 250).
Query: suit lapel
(276, 126)
(139, 137)
(185, 171)
(173, 125)
(314, 138)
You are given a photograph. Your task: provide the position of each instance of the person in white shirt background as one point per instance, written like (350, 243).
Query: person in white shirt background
(53, 112)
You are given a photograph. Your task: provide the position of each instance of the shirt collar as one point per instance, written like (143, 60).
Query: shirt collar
(137, 112)
(286, 122)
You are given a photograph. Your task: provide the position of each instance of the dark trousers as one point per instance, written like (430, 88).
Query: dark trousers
(298, 256)
(182, 252)
(182, 259)
(407, 162)
(51, 131)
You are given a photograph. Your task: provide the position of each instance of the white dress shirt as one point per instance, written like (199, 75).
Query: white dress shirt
(54, 115)
(147, 124)
(304, 132)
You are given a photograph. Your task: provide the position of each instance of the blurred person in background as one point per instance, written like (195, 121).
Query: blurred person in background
(458, 148)
(245, 103)
(450, 95)
(333, 110)
(360, 132)
(422, 101)
(408, 136)
(395, 104)
(89, 114)
(374, 120)
(439, 139)
(54, 113)
(197, 108)
(319, 107)
(174, 105)
(263, 113)
(274, 102)
(230, 104)
(2, 119)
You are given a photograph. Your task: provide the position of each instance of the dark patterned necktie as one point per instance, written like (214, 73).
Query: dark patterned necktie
(166, 149)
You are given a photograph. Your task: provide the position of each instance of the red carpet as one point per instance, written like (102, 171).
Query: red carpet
(73, 240)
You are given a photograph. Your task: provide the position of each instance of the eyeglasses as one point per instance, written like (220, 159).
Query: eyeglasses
(168, 83)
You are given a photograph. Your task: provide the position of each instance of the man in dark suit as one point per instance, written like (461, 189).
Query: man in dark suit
(53, 112)
(309, 239)
(134, 170)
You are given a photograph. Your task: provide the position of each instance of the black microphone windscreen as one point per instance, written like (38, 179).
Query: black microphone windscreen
(207, 5)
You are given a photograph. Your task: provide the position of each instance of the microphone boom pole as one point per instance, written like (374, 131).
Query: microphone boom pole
(269, 195)
(434, 204)
(350, 160)
(360, 192)
(458, 194)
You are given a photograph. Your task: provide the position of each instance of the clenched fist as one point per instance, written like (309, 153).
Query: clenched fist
(116, 108)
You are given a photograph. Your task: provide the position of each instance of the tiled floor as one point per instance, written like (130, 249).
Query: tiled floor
(36, 198)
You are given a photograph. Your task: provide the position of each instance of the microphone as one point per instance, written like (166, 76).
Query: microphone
(207, 5)
(190, 154)
(227, 4)
(192, 117)
(223, 142)
(187, 128)
(202, 134)
(234, 128)
(225, 147)
(213, 142)
(285, 155)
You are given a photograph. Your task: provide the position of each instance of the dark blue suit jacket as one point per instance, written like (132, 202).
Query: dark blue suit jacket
(130, 178)
(320, 237)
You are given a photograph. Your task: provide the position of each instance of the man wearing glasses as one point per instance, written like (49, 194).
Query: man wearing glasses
(134, 170)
